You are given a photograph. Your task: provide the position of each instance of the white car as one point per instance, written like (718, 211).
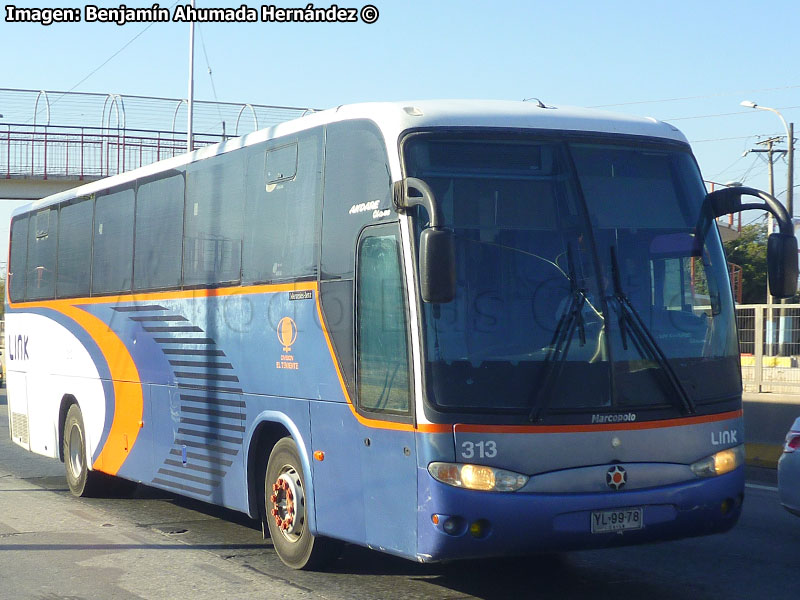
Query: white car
(789, 470)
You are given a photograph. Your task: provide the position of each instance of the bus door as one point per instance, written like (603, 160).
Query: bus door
(388, 451)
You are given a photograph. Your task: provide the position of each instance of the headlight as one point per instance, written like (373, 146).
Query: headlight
(477, 477)
(720, 463)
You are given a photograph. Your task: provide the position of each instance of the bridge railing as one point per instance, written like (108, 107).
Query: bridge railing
(54, 151)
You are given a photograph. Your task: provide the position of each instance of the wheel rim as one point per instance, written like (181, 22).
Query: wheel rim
(288, 504)
(76, 451)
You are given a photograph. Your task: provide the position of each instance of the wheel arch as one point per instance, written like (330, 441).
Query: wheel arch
(265, 431)
(67, 400)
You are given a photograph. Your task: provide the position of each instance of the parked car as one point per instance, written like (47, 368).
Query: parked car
(789, 470)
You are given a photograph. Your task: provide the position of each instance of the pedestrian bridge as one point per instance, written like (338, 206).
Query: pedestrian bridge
(51, 141)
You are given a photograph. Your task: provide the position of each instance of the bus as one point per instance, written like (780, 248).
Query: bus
(443, 330)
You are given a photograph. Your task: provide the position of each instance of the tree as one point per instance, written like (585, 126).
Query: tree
(749, 251)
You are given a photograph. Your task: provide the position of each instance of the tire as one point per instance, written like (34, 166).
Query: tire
(82, 482)
(285, 514)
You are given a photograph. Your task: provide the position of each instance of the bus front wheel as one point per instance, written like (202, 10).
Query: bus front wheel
(81, 481)
(286, 511)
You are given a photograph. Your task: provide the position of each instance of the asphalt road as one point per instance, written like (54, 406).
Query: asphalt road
(155, 545)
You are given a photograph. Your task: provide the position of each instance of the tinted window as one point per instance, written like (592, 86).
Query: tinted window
(112, 264)
(383, 381)
(159, 234)
(281, 213)
(357, 189)
(75, 249)
(18, 254)
(42, 244)
(212, 250)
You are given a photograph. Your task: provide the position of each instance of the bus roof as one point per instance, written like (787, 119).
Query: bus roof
(395, 117)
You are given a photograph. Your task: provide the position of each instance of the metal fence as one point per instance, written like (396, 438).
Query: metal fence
(769, 342)
(85, 152)
(75, 135)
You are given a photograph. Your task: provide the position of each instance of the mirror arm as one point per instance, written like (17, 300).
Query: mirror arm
(403, 200)
(729, 200)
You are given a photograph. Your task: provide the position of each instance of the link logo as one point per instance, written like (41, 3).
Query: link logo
(17, 347)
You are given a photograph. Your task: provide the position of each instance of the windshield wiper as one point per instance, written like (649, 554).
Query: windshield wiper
(557, 352)
(642, 338)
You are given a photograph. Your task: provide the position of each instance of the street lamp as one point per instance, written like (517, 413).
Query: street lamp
(789, 156)
(789, 199)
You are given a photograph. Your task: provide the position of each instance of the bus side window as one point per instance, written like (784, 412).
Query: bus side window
(212, 247)
(75, 249)
(18, 258)
(283, 198)
(382, 345)
(42, 244)
(159, 240)
(112, 250)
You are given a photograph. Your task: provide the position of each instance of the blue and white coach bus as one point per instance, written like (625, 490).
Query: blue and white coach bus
(439, 329)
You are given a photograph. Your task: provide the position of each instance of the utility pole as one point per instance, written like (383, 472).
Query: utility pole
(769, 143)
(790, 178)
(771, 152)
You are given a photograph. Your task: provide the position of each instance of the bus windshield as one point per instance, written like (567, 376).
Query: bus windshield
(588, 277)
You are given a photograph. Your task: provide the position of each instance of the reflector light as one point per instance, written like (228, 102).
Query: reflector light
(792, 442)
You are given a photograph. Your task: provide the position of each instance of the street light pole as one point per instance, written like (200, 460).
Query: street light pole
(789, 182)
(789, 155)
(190, 102)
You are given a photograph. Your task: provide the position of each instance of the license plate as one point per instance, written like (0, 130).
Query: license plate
(621, 519)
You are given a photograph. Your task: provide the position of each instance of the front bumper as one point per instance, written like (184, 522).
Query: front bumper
(524, 523)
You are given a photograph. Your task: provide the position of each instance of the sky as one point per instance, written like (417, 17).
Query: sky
(687, 62)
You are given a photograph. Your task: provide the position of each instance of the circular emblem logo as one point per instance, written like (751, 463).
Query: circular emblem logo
(616, 478)
(287, 331)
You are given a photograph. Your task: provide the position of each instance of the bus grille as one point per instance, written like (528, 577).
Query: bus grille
(19, 427)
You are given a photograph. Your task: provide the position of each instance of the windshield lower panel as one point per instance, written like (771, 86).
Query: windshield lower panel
(588, 278)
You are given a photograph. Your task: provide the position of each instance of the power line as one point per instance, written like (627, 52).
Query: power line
(725, 139)
(110, 58)
(717, 95)
(210, 75)
(745, 112)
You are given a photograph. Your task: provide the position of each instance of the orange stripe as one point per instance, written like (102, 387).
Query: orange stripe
(128, 402)
(465, 428)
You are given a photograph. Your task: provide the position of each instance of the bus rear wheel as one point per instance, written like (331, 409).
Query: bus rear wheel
(286, 513)
(81, 481)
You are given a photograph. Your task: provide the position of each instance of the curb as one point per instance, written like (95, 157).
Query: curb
(763, 455)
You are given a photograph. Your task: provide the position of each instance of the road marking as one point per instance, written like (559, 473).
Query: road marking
(756, 486)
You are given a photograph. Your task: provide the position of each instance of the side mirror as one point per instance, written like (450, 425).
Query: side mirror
(437, 245)
(781, 247)
(437, 265)
(782, 264)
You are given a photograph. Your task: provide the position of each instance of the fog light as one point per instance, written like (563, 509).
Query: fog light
(451, 526)
(727, 506)
(479, 528)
